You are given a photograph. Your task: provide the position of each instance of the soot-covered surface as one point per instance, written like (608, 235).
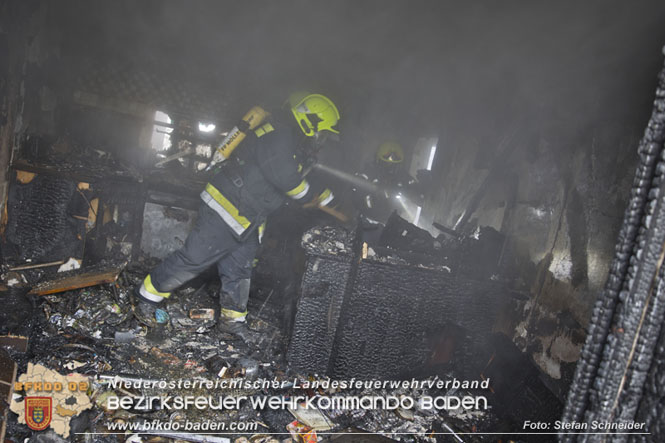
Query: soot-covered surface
(619, 375)
(373, 317)
(328, 271)
(393, 310)
(41, 225)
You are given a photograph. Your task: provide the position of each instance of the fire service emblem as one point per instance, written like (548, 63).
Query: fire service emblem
(38, 412)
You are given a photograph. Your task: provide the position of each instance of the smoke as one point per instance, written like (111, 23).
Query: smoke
(397, 69)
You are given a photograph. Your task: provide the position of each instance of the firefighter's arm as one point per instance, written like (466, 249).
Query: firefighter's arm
(324, 199)
(322, 196)
(280, 168)
(311, 195)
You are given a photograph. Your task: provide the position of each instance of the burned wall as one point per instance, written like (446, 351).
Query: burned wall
(28, 98)
(559, 197)
(12, 57)
(619, 376)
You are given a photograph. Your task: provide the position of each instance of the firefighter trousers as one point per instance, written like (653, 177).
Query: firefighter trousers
(211, 242)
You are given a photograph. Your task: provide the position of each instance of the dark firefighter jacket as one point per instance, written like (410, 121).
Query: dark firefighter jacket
(261, 175)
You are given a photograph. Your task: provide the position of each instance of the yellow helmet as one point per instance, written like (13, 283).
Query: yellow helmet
(314, 113)
(390, 152)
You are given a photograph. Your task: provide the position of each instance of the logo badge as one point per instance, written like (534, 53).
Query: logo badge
(38, 412)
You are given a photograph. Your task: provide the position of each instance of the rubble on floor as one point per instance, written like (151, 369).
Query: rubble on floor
(90, 334)
(334, 307)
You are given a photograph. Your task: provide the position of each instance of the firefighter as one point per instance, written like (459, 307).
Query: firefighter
(263, 173)
(391, 183)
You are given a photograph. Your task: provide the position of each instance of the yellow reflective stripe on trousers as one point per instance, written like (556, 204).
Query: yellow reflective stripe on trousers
(233, 315)
(229, 213)
(149, 291)
(299, 191)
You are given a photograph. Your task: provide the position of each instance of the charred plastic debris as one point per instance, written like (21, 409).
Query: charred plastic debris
(324, 303)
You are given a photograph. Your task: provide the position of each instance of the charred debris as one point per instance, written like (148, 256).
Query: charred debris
(509, 271)
(74, 250)
(309, 288)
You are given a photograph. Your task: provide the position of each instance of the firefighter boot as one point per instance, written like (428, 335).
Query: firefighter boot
(234, 323)
(148, 312)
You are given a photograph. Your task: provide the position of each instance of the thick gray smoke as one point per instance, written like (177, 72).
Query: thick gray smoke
(398, 69)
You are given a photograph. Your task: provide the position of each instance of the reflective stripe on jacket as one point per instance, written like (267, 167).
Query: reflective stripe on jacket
(225, 209)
